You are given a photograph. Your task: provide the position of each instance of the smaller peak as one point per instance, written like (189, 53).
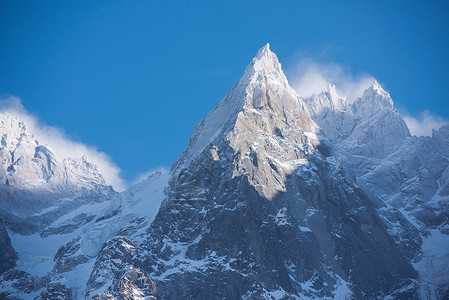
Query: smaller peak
(331, 88)
(374, 98)
(376, 87)
(13, 123)
(337, 99)
(332, 91)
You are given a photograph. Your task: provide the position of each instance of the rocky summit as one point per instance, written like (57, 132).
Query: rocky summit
(276, 196)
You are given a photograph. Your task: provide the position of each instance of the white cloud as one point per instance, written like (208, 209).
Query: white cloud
(424, 123)
(62, 144)
(145, 175)
(310, 77)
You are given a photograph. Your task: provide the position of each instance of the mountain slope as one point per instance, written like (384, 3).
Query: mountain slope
(254, 208)
(56, 215)
(404, 175)
(275, 197)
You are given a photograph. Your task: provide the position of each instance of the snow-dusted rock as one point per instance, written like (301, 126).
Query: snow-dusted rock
(275, 197)
(115, 273)
(35, 187)
(8, 255)
(264, 123)
(405, 176)
(256, 207)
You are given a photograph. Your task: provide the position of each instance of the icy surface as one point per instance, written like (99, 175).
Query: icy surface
(140, 201)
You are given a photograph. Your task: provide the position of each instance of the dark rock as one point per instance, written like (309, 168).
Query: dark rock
(8, 255)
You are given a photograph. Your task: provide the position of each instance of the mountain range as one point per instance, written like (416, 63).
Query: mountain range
(276, 196)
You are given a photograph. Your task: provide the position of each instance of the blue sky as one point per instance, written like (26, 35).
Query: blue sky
(134, 78)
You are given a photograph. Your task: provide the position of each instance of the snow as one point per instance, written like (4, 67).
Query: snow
(281, 217)
(305, 229)
(78, 278)
(88, 208)
(436, 243)
(35, 253)
(46, 210)
(282, 294)
(342, 291)
(146, 196)
(271, 137)
(433, 267)
(142, 200)
(221, 120)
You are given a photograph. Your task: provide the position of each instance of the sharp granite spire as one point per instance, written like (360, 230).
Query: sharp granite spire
(261, 117)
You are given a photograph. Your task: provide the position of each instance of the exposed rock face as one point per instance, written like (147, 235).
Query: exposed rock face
(115, 276)
(261, 123)
(56, 291)
(405, 176)
(8, 255)
(255, 209)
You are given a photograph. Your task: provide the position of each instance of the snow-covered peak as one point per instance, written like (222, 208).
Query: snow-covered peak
(11, 130)
(337, 100)
(377, 93)
(26, 164)
(265, 50)
(370, 126)
(374, 99)
(378, 89)
(265, 66)
(7, 121)
(328, 100)
(82, 172)
(332, 90)
(265, 61)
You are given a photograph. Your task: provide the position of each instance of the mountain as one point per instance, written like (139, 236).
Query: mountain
(58, 214)
(275, 197)
(405, 176)
(36, 188)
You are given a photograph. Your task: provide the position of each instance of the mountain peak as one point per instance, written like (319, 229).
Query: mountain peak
(11, 125)
(376, 87)
(337, 99)
(258, 118)
(25, 163)
(374, 99)
(264, 51)
(265, 65)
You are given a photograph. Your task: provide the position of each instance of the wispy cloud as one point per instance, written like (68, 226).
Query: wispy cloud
(145, 175)
(310, 77)
(63, 145)
(424, 123)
